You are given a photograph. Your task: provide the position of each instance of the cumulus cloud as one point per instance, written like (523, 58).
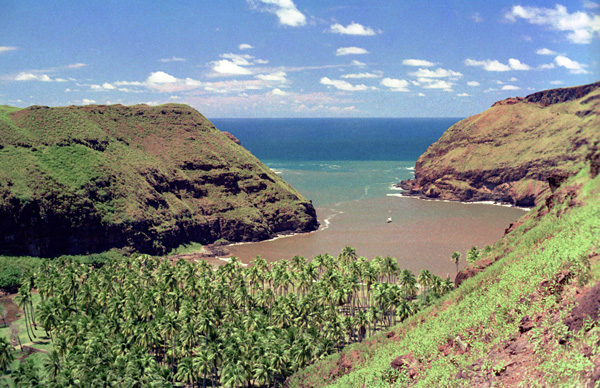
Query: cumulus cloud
(285, 10)
(352, 29)
(160, 77)
(4, 49)
(227, 67)
(495, 65)
(557, 82)
(417, 62)
(510, 87)
(32, 77)
(515, 64)
(573, 66)
(437, 73)
(342, 85)
(358, 63)
(580, 27)
(86, 101)
(395, 85)
(245, 46)
(463, 95)
(172, 59)
(279, 92)
(361, 75)
(545, 51)
(439, 84)
(473, 83)
(350, 51)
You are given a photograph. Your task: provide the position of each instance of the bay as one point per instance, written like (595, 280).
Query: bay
(347, 168)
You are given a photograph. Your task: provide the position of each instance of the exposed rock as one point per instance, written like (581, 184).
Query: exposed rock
(232, 138)
(472, 270)
(588, 307)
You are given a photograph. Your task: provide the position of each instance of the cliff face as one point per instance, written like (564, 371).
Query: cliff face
(84, 179)
(510, 152)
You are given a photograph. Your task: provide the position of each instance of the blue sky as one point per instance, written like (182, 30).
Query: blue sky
(295, 58)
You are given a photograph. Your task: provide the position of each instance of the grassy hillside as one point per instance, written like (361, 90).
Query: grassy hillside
(78, 179)
(529, 320)
(508, 152)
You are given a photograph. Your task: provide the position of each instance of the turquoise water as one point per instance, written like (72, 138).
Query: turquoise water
(349, 178)
(335, 160)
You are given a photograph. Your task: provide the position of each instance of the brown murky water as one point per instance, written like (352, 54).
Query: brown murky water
(422, 234)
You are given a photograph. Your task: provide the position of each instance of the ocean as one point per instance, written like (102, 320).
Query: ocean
(347, 167)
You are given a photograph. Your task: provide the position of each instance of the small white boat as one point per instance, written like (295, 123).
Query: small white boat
(389, 220)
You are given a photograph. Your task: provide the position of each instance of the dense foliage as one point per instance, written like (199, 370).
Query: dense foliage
(145, 322)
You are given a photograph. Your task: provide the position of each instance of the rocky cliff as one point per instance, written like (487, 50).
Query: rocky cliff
(84, 179)
(514, 152)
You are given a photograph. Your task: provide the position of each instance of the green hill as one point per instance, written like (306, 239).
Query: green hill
(84, 179)
(509, 152)
(527, 313)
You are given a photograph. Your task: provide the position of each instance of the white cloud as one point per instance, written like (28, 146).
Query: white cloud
(473, 83)
(172, 59)
(160, 77)
(279, 92)
(545, 51)
(32, 77)
(439, 84)
(421, 95)
(108, 86)
(86, 101)
(350, 51)
(358, 63)
(245, 46)
(495, 65)
(512, 79)
(361, 75)
(515, 64)
(76, 65)
(352, 29)
(227, 67)
(557, 82)
(395, 85)
(573, 66)
(285, 10)
(278, 76)
(437, 73)
(417, 62)
(510, 87)
(342, 85)
(580, 26)
(4, 49)
(241, 60)
(547, 66)
(463, 95)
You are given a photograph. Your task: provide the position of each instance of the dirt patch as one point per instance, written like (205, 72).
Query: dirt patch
(11, 310)
(344, 365)
(588, 306)
(407, 362)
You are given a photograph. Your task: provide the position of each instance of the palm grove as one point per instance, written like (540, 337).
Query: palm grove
(145, 322)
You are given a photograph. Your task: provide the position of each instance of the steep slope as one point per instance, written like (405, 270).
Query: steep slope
(82, 179)
(509, 152)
(530, 319)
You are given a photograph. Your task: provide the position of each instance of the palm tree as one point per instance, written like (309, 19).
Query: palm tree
(456, 259)
(6, 354)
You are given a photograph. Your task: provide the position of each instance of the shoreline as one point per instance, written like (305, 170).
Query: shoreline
(425, 198)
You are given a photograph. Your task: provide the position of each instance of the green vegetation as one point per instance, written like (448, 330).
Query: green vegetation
(152, 322)
(75, 180)
(464, 339)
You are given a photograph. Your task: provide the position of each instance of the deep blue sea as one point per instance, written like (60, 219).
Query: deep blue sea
(331, 160)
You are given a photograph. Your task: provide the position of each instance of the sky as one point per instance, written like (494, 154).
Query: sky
(295, 58)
